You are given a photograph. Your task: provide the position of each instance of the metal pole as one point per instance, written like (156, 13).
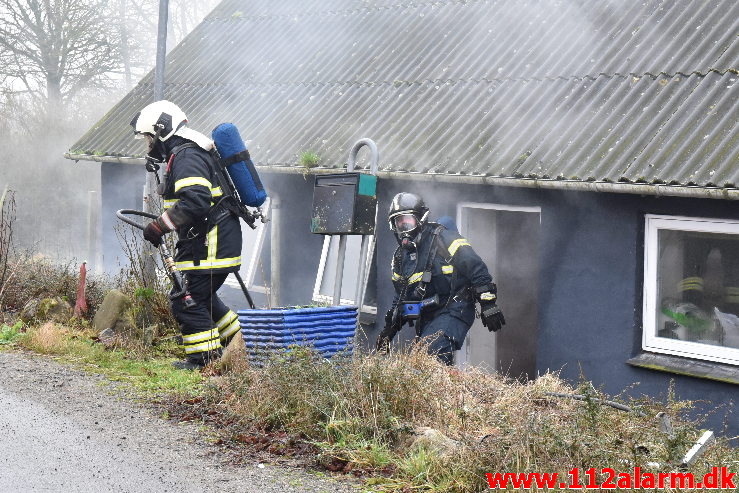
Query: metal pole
(351, 163)
(91, 229)
(161, 50)
(274, 285)
(359, 297)
(339, 270)
(374, 155)
(150, 185)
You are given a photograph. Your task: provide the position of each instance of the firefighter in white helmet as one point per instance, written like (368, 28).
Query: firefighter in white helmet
(209, 238)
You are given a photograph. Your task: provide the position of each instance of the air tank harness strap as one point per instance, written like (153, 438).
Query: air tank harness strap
(196, 233)
(239, 156)
(229, 200)
(164, 186)
(428, 271)
(429, 265)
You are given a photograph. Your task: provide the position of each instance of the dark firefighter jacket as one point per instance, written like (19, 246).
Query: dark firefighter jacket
(454, 270)
(210, 240)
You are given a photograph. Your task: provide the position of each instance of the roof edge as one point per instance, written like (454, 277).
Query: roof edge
(657, 190)
(105, 159)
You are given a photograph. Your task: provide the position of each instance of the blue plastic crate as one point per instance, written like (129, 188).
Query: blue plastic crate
(328, 330)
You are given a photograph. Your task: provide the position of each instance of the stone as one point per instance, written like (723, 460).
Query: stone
(29, 311)
(125, 327)
(46, 310)
(56, 310)
(433, 440)
(234, 354)
(111, 310)
(148, 334)
(108, 338)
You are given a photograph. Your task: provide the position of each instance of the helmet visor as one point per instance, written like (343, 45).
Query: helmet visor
(404, 223)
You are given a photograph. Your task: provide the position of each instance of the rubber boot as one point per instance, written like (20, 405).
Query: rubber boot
(196, 361)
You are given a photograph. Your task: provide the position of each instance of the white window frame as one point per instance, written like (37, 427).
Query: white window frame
(254, 259)
(650, 341)
(322, 298)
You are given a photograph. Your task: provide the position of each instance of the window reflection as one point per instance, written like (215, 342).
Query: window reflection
(698, 287)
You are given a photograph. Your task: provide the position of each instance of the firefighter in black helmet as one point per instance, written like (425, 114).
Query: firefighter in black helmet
(438, 277)
(209, 238)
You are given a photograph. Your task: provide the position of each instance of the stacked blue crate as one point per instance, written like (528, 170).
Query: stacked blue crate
(329, 330)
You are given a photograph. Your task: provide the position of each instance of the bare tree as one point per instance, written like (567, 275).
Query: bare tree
(185, 15)
(136, 22)
(54, 49)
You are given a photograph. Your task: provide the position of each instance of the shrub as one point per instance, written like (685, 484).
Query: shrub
(40, 277)
(145, 282)
(48, 338)
(361, 414)
(309, 159)
(9, 333)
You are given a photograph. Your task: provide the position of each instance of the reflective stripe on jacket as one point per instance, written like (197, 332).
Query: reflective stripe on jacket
(455, 261)
(192, 189)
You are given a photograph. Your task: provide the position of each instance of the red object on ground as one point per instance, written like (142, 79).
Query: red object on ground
(80, 305)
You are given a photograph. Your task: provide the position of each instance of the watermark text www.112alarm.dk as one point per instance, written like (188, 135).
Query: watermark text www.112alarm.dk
(719, 478)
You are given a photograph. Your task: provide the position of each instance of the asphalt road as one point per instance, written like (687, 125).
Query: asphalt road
(62, 430)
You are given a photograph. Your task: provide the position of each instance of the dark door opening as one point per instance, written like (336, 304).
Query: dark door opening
(507, 239)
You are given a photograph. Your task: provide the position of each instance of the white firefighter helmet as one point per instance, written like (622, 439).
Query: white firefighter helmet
(160, 119)
(163, 119)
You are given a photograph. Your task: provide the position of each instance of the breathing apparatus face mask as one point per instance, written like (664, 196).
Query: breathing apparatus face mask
(405, 226)
(154, 147)
(149, 142)
(405, 223)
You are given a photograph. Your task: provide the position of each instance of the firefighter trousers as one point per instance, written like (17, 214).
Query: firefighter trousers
(444, 334)
(210, 324)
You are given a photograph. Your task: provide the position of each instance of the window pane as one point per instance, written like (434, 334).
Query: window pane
(698, 287)
(351, 272)
(351, 267)
(264, 260)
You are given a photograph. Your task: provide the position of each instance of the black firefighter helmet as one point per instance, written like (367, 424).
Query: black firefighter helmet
(407, 214)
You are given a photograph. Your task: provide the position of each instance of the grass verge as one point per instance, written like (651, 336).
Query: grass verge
(401, 422)
(407, 423)
(148, 371)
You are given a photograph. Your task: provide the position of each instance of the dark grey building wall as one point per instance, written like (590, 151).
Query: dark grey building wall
(591, 261)
(591, 295)
(590, 299)
(300, 249)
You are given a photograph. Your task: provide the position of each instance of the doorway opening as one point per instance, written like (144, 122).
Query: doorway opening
(507, 239)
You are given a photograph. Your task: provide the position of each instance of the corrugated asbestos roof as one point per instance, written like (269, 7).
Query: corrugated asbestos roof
(600, 91)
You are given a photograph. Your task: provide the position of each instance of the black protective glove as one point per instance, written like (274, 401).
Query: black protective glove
(388, 332)
(154, 231)
(491, 315)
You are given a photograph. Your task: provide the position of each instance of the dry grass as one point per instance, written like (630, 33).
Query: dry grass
(35, 276)
(145, 282)
(361, 412)
(48, 338)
